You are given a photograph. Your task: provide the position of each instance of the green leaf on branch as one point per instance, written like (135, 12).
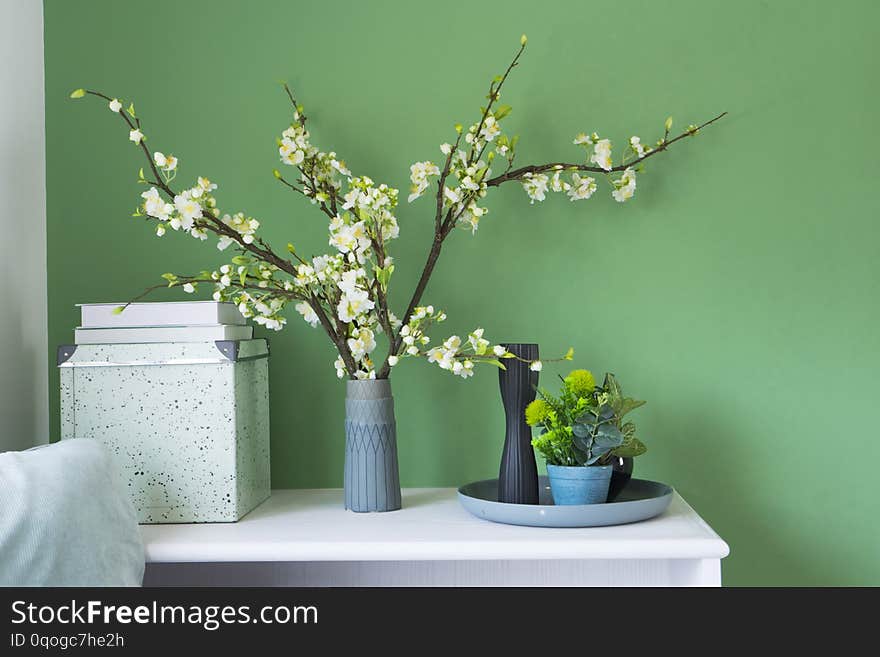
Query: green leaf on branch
(621, 405)
(502, 111)
(118, 310)
(130, 110)
(240, 260)
(496, 363)
(291, 249)
(77, 93)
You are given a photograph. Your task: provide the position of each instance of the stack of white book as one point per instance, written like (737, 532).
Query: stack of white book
(176, 321)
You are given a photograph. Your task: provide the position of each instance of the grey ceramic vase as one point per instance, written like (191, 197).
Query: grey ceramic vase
(372, 482)
(518, 475)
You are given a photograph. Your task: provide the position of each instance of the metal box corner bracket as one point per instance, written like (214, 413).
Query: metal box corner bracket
(188, 423)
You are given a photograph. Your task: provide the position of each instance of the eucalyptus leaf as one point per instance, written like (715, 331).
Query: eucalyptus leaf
(581, 430)
(608, 440)
(584, 444)
(586, 418)
(606, 413)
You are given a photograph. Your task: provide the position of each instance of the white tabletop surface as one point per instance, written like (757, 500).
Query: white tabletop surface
(312, 525)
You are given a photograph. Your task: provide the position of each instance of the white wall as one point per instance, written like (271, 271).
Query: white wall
(23, 342)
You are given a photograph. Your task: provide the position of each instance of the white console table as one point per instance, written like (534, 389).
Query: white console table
(306, 538)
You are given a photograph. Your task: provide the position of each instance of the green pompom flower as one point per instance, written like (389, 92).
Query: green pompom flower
(580, 382)
(537, 412)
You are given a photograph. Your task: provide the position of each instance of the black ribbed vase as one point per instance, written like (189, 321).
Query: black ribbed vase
(518, 477)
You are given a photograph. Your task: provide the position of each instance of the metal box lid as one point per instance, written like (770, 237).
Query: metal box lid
(162, 353)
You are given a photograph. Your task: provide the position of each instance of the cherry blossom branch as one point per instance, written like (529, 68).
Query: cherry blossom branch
(258, 248)
(264, 253)
(520, 173)
(442, 229)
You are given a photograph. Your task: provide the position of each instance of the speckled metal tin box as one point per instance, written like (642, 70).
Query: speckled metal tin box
(188, 422)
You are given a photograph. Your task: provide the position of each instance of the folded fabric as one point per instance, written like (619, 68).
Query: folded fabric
(65, 519)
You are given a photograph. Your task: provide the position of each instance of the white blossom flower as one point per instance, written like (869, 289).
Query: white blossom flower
(451, 194)
(160, 230)
(136, 135)
(581, 188)
(205, 184)
(189, 288)
(354, 304)
(290, 152)
(584, 139)
(452, 343)
(446, 149)
(348, 281)
(165, 162)
(272, 323)
(245, 226)
(325, 267)
(224, 241)
(638, 147)
(419, 173)
(115, 105)
(478, 343)
(198, 233)
(361, 343)
(558, 185)
(625, 186)
(499, 351)
(188, 211)
(243, 307)
(350, 199)
(535, 185)
(490, 128)
(155, 205)
(536, 366)
(471, 217)
(602, 154)
(466, 370)
(339, 166)
(393, 360)
(305, 276)
(307, 313)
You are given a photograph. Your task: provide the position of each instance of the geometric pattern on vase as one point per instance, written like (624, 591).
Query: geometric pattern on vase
(518, 473)
(372, 479)
(372, 482)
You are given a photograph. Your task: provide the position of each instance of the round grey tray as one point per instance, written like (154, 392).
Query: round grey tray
(640, 500)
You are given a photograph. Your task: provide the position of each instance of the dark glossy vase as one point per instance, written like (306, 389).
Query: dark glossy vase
(518, 476)
(621, 473)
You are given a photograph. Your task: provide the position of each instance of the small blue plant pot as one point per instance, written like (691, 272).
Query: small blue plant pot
(579, 484)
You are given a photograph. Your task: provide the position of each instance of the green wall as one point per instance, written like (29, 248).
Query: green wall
(737, 293)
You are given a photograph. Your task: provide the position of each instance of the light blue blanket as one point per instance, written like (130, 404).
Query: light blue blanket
(65, 519)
